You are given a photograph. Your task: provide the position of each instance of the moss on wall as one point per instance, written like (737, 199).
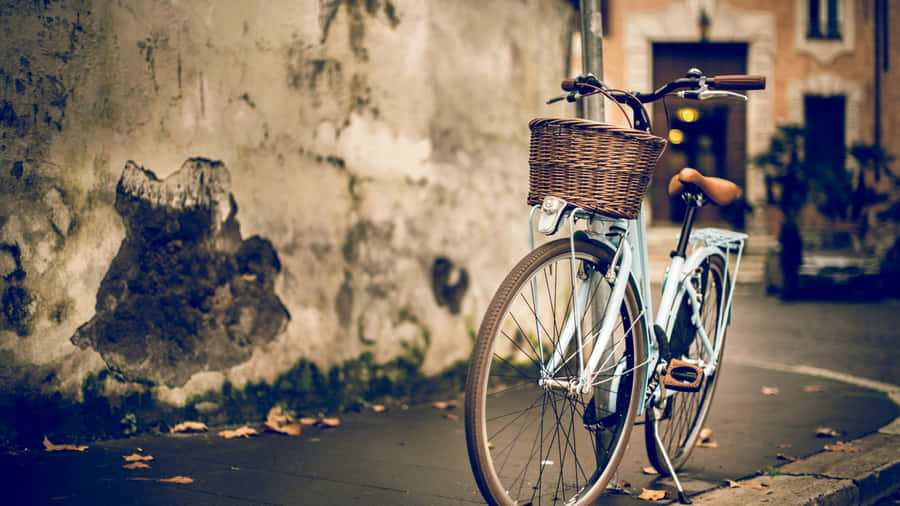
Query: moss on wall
(26, 416)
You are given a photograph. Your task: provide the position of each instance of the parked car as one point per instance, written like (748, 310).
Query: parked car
(834, 264)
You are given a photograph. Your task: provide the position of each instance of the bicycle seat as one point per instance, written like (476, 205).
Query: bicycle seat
(721, 191)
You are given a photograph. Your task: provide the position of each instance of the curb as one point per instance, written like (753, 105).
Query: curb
(868, 472)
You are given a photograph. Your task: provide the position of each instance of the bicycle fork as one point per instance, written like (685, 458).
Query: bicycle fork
(583, 281)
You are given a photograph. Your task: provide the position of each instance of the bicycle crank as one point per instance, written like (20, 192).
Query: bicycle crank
(682, 376)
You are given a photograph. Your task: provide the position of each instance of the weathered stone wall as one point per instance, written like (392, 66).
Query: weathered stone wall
(354, 184)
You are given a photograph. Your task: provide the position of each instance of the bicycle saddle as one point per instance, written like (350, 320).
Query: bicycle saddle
(721, 191)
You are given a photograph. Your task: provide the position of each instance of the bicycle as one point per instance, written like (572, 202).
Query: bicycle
(566, 357)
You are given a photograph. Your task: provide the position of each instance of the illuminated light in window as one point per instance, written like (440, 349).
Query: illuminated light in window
(676, 136)
(688, 114)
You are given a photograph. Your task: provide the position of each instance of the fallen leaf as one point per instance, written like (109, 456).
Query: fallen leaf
(174, 479)
(328, 423)
(308, 421)
(379, 408)
(281, 423)
(784, 445)
(649, 470)
(770, 390)
(841, 446)
(652, 495)
(705, 440)
(746, 484)
(451, 416)
(190, 427)
(788, 458)
(625, 484)
(50, 447)
(290, 429)
(490, 445)
(827, 432)
(444, 404)
(177, 479)
(135, 457)
(241, 432)
(136, 465)
(814, 388)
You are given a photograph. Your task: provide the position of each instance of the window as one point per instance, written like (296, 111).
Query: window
(825, 136)
(823, 20)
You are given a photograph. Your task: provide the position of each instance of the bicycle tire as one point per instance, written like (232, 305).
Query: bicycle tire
(680, 421)
(525, 440)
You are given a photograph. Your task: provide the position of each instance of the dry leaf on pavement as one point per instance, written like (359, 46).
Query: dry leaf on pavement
(444, 404)
(136, 465)
(451, 416)
(770, 390)
(50, 447)
(827, 432)
(841, 446)
(177, 479)
(649, 470)
(307, 421)
(328, 423)
(788, 458)
(814, 388)
(136, 457)
(281, 423)
(746, 484)
(652, 495)
(174, 479)
(190, 427)
(705, 440)
(241, 432)
(784, 445)
(379, 408)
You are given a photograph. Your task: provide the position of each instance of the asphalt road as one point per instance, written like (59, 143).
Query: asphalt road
(418, 455)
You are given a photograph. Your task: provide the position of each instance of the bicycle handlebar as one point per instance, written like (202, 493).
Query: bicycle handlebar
(586, 85)
(737, 82)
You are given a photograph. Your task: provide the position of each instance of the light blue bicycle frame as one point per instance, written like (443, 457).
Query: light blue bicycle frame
(633, 268)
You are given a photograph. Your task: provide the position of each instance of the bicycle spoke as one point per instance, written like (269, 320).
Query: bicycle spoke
(542, 446)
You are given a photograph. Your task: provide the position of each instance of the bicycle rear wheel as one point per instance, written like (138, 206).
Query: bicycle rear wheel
(534, 444)
(681, 417)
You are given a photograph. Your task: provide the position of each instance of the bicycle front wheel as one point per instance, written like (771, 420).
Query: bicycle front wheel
(531, 438)
(680, 418)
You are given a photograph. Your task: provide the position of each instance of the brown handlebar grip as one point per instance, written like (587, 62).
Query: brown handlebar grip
(568, 84)
(738, 82)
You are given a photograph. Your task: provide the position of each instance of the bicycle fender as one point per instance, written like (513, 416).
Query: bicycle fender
(697, 257)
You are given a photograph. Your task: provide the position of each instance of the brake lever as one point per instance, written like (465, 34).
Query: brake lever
(569, 97)
(707, 94)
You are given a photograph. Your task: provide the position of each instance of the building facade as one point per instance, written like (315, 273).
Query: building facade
(827, 64)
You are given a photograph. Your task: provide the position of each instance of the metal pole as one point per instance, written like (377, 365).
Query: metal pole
(592, 53)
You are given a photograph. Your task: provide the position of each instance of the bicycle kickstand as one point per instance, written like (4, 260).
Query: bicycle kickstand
(682, 497)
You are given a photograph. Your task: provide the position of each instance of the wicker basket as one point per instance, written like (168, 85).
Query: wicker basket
(595, 166)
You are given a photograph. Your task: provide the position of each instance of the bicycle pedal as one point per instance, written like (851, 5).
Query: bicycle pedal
(682, 376)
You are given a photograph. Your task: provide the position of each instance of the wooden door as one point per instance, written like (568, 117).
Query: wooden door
(709, 136)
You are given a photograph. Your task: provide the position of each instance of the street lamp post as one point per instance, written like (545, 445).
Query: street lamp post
(592, 53)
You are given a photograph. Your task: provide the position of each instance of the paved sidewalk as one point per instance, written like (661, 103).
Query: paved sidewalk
(417, 456)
